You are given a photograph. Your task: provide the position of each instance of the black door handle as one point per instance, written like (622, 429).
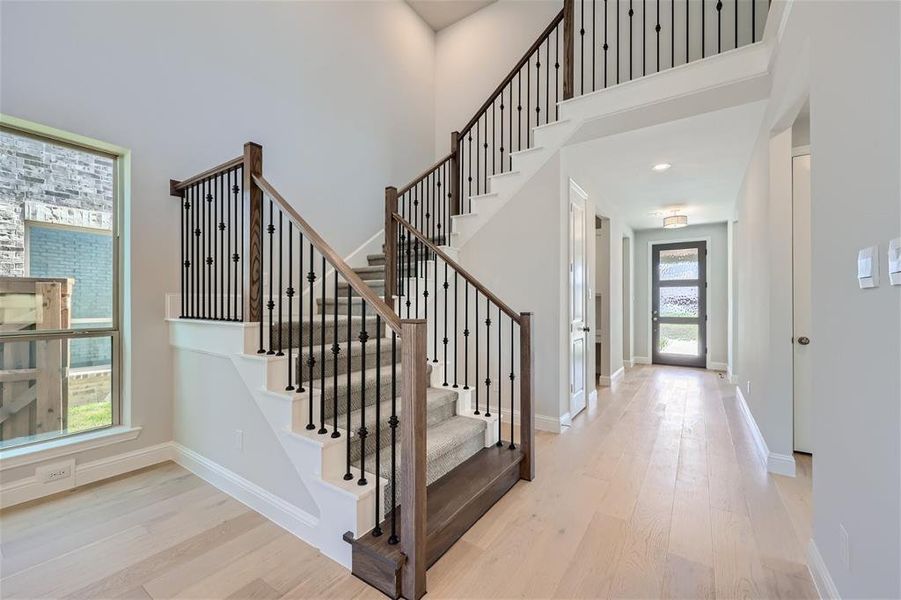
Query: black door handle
(803, 340)
(586, 329)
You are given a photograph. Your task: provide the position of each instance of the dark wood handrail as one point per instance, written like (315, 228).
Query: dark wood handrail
(425, 174)
(544, 34)
(178, 186)
(378, 304)
(456, 266)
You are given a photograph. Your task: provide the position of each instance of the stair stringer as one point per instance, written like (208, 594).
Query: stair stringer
(721, 81)
(317, 459)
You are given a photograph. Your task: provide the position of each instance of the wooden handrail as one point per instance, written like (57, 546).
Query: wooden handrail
(544, 34)
(456, 266)
(366, 292)
(176, 187)
(425, 174)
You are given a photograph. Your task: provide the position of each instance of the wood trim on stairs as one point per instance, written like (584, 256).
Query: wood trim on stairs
(454, 504)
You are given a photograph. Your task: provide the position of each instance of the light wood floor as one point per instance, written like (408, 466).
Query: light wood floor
(654, 492)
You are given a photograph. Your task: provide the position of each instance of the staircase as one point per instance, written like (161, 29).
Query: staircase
(401, 391)
(376, 413)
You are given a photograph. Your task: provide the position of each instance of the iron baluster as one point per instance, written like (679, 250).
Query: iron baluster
(393, 422)
(270, 229)
(362, 431)
(291, 365)
(322, 429)
(348, 475)
(487, 356)
(377, 531)
(311, 360)
(280, 282)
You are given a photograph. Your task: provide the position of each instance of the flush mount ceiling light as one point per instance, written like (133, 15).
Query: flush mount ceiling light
(660, 167)
(675, 221)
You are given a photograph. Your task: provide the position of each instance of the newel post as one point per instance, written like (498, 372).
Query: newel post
(253, 236)
(569, 24)
(414, 334)
(526, 394)
(457, 175)
(390, 247)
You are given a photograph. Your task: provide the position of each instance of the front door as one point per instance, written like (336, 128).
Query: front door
(679, 304)
(578, 319)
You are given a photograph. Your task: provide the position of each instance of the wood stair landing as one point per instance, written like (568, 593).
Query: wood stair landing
(454, 503)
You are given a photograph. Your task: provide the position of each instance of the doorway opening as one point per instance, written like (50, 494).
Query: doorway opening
(679, 304)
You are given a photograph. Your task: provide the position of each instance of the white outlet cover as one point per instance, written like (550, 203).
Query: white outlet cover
(55, 472)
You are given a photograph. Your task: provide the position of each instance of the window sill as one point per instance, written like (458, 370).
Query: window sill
(43, 451)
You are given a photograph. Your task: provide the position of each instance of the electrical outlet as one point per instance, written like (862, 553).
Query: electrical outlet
(55, 472)
(239, 440)
(845, 546)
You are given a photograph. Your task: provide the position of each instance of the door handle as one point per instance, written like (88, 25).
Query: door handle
(586, 329)
(803, 340)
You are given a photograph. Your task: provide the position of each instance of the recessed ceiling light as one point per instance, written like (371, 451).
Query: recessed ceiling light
(662, 167)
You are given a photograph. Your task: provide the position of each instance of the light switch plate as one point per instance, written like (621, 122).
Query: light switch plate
(868, 267)
(894, 261)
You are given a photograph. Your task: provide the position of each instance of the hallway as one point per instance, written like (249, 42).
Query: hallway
(654, 492)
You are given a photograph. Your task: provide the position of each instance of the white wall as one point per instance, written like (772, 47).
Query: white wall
(518, 255)
(184, 85)
(717, 287)
(214, 409)
(855, 133)
(473, 56)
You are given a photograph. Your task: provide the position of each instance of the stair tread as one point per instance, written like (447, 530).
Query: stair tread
(441, 439)
(435, 397)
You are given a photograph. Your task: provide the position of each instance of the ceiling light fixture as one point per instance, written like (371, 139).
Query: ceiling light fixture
(662, 167)
(675, 221)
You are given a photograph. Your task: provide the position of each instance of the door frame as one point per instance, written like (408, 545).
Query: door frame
(650, 283)
(588, 263)
(796, 152)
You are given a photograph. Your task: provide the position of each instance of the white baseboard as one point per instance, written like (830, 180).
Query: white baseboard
(282, 513)
(779, 464)
(820, 574)
(717, 366)
(542, 422)
(607, 381)
(641, 360)
(31, 488)
(628, 364)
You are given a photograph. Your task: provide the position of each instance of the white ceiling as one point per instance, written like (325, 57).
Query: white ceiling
(709, 154)
(438, 14)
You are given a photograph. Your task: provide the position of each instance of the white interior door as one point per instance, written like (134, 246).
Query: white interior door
(801, 305)
(578, 282)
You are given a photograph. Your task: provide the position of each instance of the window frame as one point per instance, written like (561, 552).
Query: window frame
(121, 158)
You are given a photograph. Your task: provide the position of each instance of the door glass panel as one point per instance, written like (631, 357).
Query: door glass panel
(678, 339)
(679, 302)
(678, 264)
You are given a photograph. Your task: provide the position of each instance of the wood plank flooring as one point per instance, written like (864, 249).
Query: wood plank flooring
(654, 492)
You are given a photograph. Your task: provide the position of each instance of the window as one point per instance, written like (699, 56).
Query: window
(59, 329)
